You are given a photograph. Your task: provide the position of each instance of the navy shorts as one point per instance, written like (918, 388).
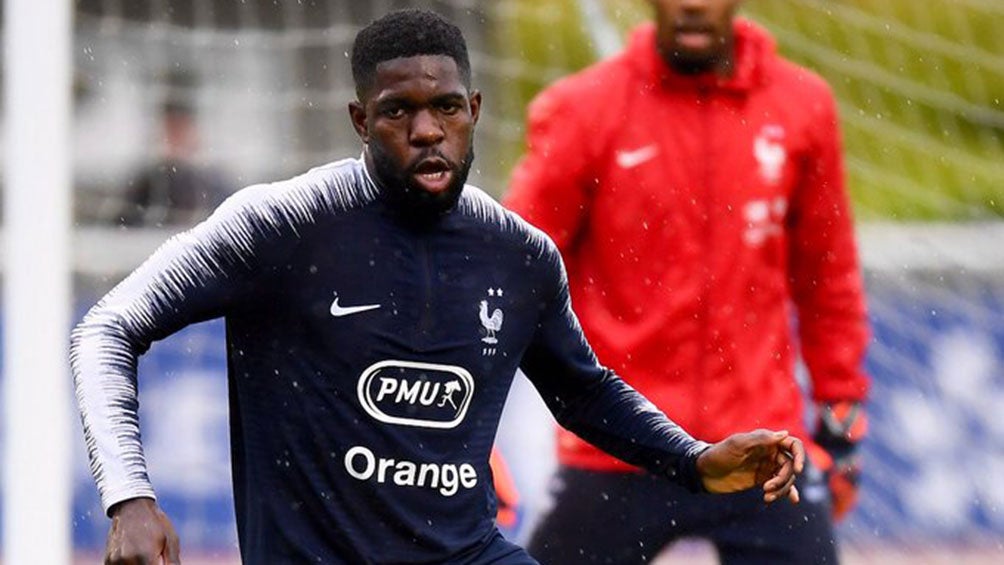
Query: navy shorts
(604, 517)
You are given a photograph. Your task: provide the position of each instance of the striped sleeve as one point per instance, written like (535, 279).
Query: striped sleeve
(195, 276)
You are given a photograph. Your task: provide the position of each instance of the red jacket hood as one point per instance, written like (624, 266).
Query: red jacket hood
(754, 46)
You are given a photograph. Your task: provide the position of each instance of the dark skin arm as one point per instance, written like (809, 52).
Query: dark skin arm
(762, 458)
(141, 534)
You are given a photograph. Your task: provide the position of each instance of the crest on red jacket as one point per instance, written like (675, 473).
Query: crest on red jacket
(770, 152)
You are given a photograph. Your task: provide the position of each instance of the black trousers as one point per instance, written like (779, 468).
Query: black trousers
(627, 518)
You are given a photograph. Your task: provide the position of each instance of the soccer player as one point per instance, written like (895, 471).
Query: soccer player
(175, 189)
(694, 184)
(376, 310)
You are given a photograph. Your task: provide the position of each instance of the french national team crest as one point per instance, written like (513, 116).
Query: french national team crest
(491, 322)
(770, 152)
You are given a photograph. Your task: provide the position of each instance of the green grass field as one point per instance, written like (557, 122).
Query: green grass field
(919, 86)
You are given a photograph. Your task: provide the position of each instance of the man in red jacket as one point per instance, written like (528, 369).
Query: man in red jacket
(695, 186)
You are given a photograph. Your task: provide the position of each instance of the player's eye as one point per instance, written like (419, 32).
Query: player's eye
(450, 108)
(392, 112)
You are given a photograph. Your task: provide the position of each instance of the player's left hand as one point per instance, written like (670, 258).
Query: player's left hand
(759, 458)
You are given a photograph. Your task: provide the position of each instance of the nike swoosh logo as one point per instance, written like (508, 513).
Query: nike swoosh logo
(635, 157)
(339, 311)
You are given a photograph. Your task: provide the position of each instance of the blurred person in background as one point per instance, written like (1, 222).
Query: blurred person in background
(377, 309)
(176, 189)
(694, 184)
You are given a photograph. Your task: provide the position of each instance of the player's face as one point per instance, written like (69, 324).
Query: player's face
(695, 35)
(417, 121)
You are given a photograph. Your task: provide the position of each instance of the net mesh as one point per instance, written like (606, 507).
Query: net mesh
(918, 86)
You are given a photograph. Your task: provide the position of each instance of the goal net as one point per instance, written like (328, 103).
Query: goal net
(918, 85)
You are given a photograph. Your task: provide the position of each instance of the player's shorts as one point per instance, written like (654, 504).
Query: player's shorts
(610, 517)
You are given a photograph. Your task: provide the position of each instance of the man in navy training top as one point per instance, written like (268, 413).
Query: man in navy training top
(376, 311)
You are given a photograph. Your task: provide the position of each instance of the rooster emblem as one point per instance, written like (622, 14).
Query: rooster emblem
(492, 324)
(770, 153)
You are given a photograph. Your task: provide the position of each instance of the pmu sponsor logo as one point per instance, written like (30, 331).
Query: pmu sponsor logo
(361, 463)
(408, 393)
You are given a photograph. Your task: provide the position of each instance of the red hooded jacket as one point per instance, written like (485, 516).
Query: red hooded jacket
(706, 231)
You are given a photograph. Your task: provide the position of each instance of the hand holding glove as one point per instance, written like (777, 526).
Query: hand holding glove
(840, 427)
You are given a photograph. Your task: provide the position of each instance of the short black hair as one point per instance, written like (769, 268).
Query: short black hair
(406, 33)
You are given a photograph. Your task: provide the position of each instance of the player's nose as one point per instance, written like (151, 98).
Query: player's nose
(425, 129)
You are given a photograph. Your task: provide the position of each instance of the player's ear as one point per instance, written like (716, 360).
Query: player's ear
(475, 102)
(357, 113)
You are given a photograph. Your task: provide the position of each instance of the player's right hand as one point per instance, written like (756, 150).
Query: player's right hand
(141, 534)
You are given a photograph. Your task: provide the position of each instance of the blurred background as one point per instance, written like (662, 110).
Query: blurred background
(178, 103)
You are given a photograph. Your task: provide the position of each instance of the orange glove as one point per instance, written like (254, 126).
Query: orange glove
(505, 490)
(840, 427)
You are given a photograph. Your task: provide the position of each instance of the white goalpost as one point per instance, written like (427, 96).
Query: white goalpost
(36, 298)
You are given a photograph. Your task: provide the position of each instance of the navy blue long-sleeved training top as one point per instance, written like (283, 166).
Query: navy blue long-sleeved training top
(369, 357)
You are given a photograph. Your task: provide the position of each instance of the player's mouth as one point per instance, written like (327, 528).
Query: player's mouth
(694, 38)
(433, 175)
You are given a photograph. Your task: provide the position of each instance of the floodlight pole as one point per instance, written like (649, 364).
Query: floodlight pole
(37, 411)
